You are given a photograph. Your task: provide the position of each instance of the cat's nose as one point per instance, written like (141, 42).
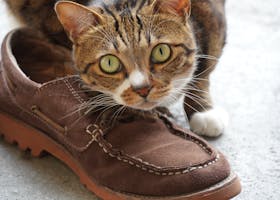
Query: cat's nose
(143, 91)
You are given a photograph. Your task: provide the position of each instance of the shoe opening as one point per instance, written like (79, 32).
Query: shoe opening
(39, 59)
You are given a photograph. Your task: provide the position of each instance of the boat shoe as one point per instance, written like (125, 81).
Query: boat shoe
(42, 105)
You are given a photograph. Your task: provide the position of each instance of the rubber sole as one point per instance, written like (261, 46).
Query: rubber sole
(27, 137)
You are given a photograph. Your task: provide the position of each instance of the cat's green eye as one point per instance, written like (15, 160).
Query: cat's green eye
(110, 64)
(161, 53)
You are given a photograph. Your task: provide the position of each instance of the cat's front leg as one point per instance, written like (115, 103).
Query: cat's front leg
(211, 123)
(204, 118)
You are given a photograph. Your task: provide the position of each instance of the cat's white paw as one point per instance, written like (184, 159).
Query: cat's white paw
(211, 123)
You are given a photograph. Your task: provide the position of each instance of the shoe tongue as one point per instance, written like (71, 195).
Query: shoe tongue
(130, 115)
(119, 115)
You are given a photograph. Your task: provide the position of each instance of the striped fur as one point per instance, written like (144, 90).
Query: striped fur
(131, 30)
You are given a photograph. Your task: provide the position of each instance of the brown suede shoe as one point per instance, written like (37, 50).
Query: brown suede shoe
(134, 159)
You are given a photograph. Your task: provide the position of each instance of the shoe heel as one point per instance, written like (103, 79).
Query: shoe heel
(16, 133)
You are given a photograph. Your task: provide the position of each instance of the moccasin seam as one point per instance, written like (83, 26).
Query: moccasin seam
(79, 149)
(143, 165)
(55, 82)
(72, 90)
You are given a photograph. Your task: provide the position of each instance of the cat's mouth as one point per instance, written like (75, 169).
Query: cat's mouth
(157, 96)
(138, 102)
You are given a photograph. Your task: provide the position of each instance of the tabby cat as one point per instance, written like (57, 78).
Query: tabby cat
(141, 53)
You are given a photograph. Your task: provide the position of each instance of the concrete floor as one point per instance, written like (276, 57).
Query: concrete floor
(246, 83)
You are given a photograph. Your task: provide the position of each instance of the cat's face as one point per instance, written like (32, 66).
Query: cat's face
(139, 54)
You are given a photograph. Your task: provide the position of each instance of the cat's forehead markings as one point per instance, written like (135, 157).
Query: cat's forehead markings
(146, 42)
(112, 47)
(152, 39)
(143, 43)
(121, 45)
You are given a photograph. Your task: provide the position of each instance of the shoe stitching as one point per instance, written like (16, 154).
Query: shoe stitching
(59, 134)
(57, 131)
(55, 82)
(73, 91)
(43, 87)
(181, 133)
(139, 163)
(36, 110)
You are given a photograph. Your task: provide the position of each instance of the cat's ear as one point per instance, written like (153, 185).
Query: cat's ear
(177, 7)
(76, 18)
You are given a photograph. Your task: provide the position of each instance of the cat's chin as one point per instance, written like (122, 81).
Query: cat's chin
(145, 106)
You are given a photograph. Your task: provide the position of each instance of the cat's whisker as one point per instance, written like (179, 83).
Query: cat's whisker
(181, 92)
(81, 117)
(194, 79)
(200, 79)
(188, 89)
(196, 101)
(185, 103)
(204, 71)
(97, 97)
(193, 88)
(97, 103)
(79, 109)
(194, 98)
(103, 111)
(118, 113)
(92, 103)
(100, 102)
(171, 99)
(98, 108)
(207, 57)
